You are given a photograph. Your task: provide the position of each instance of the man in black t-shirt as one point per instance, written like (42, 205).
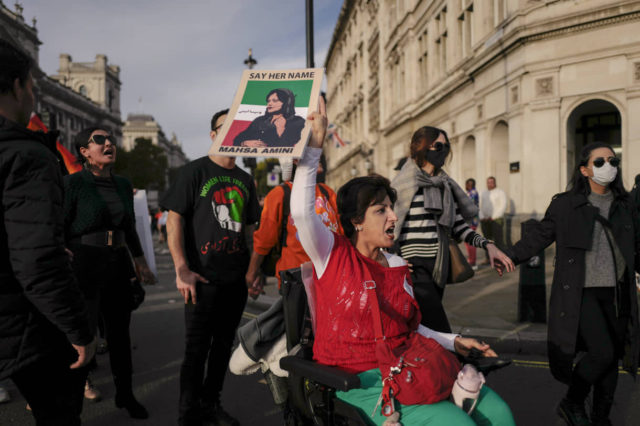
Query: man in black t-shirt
(212, 214)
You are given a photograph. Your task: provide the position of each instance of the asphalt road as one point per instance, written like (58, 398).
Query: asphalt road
(157, 335)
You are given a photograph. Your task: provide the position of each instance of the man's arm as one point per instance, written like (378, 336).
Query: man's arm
(185, 278)
(33, 220)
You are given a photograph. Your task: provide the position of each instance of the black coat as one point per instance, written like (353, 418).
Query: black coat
(41, 308)
(569, 221)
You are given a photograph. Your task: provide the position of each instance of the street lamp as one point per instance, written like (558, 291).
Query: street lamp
(250, 62)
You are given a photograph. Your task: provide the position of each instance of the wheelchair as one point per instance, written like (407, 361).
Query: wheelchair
(312, 386)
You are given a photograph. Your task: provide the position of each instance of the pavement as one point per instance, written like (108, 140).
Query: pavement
(484, 307)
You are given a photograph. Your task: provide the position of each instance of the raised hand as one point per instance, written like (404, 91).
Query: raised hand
(319, 124)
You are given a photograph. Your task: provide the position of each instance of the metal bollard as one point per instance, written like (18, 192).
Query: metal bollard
(532, 302)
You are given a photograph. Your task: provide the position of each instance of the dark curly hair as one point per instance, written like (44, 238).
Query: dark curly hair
(81, 140)
(288, 100)
(355, 197)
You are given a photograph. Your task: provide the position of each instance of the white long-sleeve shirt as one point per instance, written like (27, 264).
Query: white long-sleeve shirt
(493, 204)
(318, 241)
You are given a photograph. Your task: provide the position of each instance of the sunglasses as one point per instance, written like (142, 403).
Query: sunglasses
(439, 146)
(599, 162)
(102, 139)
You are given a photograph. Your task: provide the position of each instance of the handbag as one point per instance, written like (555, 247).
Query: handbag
(459, 270)
(137, 294)
(419, 371)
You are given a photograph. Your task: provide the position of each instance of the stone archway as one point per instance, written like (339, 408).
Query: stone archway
(499, 155)
(595, 120)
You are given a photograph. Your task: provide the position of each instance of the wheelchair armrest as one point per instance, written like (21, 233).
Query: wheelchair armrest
(329, 376)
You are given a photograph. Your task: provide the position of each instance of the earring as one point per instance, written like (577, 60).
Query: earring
(358, 228)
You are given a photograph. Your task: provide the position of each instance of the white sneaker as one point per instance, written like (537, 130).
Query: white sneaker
(4, 395)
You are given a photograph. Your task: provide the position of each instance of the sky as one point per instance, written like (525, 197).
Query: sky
(184, 59)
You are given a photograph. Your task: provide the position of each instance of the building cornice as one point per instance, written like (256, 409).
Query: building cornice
(343, 20)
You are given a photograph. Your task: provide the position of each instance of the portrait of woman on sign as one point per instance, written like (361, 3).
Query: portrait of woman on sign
(278, 127)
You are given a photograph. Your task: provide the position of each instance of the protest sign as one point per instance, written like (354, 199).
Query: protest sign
(268, 115)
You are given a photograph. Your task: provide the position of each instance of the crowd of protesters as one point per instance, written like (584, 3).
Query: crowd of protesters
(69, 254)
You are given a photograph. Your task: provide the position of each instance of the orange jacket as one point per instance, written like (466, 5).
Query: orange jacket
(268, 235)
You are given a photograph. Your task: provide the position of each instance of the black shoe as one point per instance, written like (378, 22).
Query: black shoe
(135, 409)
(215, 414)
(573, 413)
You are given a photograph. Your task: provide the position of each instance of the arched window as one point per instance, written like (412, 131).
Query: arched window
(83, 90)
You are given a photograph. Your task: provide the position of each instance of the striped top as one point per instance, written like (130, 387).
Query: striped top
(419, 233)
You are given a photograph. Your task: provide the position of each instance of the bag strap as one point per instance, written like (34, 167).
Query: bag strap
(370, 287)
(285, 214)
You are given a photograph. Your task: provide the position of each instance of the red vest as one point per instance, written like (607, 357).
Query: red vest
(345, 336)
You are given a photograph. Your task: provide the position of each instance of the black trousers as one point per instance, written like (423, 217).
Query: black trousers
(53, 391)
(601, 336)
(108, 296)
(210, 327)
(428, 294)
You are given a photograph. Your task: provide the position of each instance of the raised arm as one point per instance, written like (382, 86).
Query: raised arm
(315, 238)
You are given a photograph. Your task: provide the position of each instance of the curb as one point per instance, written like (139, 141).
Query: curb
(503, 341)
(508, 341)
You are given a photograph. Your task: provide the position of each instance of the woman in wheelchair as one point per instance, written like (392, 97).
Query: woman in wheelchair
(344, 335)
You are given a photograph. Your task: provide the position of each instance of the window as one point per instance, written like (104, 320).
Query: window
(441, 40)
(423, 60)
(499, 11)
(465, 25)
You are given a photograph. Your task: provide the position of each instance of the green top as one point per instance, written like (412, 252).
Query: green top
(86, 211)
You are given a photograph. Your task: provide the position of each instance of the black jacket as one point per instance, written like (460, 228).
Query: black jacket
(41, 308)
(569, 221)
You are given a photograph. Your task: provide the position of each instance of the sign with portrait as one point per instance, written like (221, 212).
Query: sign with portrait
(268, 115)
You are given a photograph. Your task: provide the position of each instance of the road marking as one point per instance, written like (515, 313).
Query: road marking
(545, 364)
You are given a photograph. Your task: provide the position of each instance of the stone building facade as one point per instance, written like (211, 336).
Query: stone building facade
(519, 85)
(145, 126)
(60, 100)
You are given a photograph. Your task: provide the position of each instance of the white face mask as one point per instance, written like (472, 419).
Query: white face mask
(604, 175)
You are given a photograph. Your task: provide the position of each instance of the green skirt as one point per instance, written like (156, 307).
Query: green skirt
(491, 410)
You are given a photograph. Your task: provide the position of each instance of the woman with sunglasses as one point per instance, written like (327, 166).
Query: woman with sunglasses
(593, 306)
(100, 232)
(431, 207)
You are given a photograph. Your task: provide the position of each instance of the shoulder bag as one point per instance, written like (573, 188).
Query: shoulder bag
(419, 371)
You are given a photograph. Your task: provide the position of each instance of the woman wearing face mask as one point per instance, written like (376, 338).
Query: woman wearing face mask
(430, 207)
(593, 305)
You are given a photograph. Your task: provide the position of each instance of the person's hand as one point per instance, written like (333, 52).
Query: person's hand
(254, 143)
(499, 261)
(280, 123)
(85, 354)
(463, 345)
(145, 274)
(319, 124)
(410, 266)
(186, 283)
(256, 286)
(69, 253)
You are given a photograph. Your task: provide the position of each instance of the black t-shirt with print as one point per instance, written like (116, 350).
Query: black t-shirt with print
(215, 203)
